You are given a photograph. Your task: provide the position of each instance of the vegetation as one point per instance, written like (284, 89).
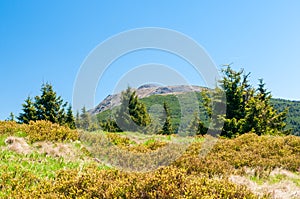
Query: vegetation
(39, 175)
(155, 102)
(48, 107)
(38, 131)
(247, 109)
(167, 128)
(131, 115)
(293, 115)
(44, 157)
(197, 126)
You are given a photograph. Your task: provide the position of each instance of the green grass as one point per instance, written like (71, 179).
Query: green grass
(191, 172)
(2, 140)
(39, 165)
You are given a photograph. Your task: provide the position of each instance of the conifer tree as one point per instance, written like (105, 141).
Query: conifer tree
(70, 121)
(49, 106)
(29, 112)
(110, 126)
(85, 119)
(77, 120)
(197, 126)
(11, 117)
(167, 128)
(247, 109)
(132, 114)
(261, 116)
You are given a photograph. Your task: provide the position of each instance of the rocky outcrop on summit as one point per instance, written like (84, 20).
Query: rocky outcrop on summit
(144, 91)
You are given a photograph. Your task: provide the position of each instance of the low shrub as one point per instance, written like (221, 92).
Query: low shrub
(38, 131)
(231, 156)
(45, 130)
(167, 182)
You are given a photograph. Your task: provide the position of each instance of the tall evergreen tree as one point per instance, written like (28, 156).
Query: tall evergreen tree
(70, 121)
(263, 94)
(132, 114)
(247, 109)
(49, 106)
(29, 112)
(85, 119)
(77, 120)
(167, 128)
(261, 116)
(197, 126)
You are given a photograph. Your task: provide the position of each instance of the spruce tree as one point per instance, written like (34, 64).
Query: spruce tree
(197, 126)
(49, 106)
(29, 112)
(11, 117)
(167, 128)
(70, 121)
(85, 119)
(247, 109)
(132, 114)
(261, 116)
(77, 120)
(110, 126)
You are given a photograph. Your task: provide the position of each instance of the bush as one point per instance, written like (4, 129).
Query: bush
(9, 127)
(168, 182)
(231, 156)
(45, 130)
(38, 131)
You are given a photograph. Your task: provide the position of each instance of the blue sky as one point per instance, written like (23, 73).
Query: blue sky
(47, 41)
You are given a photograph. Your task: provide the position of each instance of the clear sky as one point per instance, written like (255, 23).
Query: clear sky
(47, 41)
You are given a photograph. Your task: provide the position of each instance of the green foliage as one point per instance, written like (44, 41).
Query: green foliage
(132, 114)
(85, 119)
(293, 115)
(166, 182)
(48, 106)
(110, 125)
(29, 112)
(70, 120)
(118, 140)
(11, 117)
(167, 128)
(40, 165)
(196, 126)
(247, 109)
(280, 105)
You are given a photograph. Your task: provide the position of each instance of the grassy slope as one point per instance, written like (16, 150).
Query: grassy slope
(40, 174)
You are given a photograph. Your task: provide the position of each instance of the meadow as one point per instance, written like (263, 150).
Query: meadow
(64, 163)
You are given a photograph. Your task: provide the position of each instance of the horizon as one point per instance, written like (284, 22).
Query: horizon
(49, 42)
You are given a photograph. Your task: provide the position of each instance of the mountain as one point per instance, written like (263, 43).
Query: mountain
(155, 95)
(145, 91)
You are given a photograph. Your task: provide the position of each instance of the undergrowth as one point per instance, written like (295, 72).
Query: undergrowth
(36, 175)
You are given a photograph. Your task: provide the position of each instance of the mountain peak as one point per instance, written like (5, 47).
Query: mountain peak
(143, 91)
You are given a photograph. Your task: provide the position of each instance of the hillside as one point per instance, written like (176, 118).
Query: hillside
(293, 117)
(103, 165)
(142, 92)
(153, 95)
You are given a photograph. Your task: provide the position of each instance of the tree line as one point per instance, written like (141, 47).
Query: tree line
(234, 107)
